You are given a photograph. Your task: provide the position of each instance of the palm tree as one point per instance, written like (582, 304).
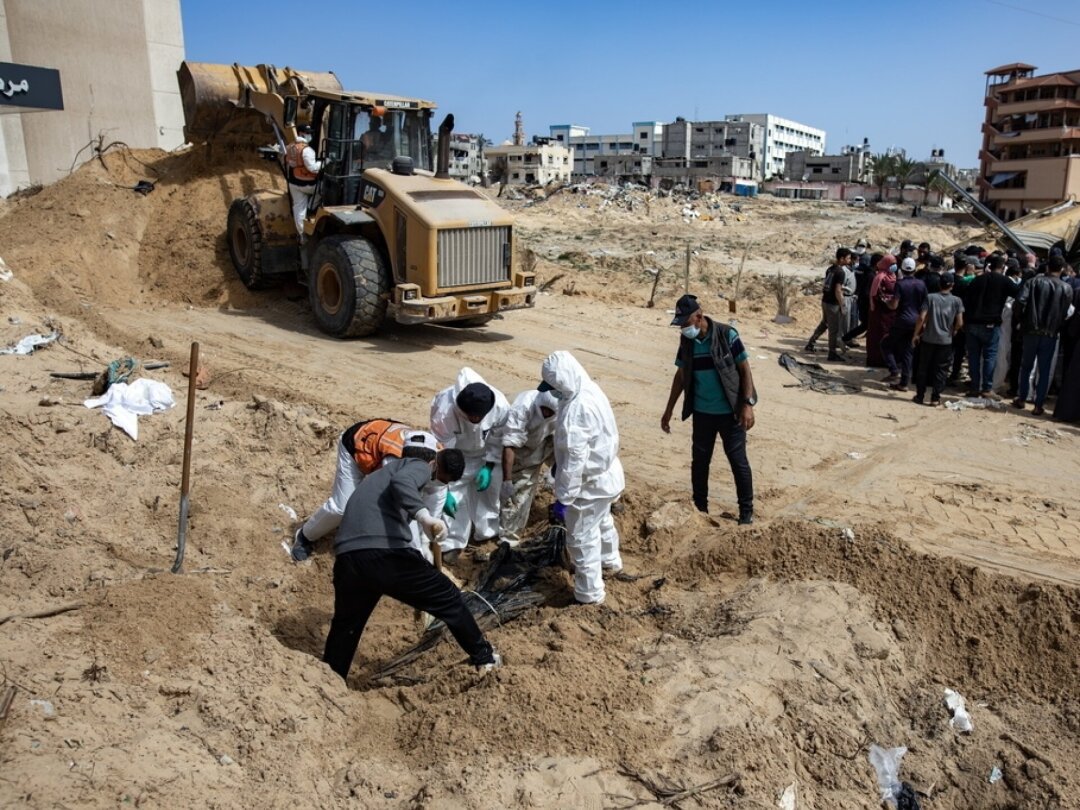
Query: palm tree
(882, 167)
(934, 183)
(904, 168)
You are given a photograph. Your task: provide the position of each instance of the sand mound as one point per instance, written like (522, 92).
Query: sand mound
(777, 653)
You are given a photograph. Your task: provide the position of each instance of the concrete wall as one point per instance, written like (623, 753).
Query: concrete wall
(14, 171)
(117, 61)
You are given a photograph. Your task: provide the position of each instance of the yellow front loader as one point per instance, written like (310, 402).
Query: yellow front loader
(384, 235)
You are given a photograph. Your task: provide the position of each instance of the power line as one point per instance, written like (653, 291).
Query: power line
(1031, 11)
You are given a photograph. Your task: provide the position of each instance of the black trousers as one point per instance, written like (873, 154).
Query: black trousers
(935, 363)
(361, 578)
(864, 322)
(706, 428)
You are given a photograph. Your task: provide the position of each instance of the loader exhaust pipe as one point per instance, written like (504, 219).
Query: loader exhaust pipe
(442, 168)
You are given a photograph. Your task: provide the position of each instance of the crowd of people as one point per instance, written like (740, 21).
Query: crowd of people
(991, 323)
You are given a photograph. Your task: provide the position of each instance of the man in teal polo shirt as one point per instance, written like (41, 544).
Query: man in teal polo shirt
(713, 372)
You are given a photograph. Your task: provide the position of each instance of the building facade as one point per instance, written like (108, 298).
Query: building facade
(117, 62)
(780, 136)
(530, 164)
(851, 166)
(1030, 156)
(591, 152)
(467, 160)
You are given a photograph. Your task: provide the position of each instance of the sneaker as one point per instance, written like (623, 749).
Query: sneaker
(746, 517)
(918, 400)
(836, 358)
(302, 548)
(1039, 410)
(897, 386)
(810, 347)
(890, 378)
(1019, 404)
(934, 403)
(989, 395)
(851, 344)
(494, 663)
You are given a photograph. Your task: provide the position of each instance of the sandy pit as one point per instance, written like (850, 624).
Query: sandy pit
(898, 551)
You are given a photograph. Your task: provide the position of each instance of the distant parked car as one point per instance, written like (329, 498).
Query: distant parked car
(857, 202)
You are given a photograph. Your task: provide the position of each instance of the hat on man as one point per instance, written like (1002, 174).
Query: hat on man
(421, 438)
(907, 244)
(908, 265)
(476, 399)
(862, 243)
(1012, 264)
(684, 308)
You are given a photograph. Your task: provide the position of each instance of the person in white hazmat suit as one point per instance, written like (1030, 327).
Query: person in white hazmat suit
(470, 416)
(588, 473)
(527, 447)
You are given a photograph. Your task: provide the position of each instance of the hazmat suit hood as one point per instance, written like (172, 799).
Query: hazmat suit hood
(586, 436)
(565, 374)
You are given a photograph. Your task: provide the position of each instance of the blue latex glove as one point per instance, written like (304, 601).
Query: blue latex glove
(483, 478)
(450, 507)
(558, 511)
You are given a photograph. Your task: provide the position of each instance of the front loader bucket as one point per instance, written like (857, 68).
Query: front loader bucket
(217, 98)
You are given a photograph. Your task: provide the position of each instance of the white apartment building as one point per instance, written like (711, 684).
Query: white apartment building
(530, 164)
(780, 136)
(645, 139)
(467, 161)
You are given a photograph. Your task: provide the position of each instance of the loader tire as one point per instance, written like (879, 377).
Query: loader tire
(244, 235)
(348, 286)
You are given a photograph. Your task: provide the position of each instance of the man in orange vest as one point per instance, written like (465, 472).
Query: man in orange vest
(362, 449)
(302, 169)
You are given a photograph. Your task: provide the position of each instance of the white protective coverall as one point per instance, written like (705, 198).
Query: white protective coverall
(588, 473)
(301, 195)
(481, 444)
(530, 434)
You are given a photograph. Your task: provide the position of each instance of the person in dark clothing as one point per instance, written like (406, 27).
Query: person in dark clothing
(375, 558)
(1067, 408)
(910, 295)
(1043, 305)
(932, 273)
(984, 300)
(714, 374)
(942, 318)
(969, 266)
(864, 276)
(834, 303)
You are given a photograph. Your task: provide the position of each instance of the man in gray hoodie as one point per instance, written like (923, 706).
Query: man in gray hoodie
(375, 557)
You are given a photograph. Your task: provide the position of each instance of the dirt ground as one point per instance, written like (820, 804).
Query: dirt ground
(898, 551)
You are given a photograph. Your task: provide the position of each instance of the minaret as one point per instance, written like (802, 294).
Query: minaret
(519, 131)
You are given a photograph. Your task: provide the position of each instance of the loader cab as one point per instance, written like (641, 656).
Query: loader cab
(353, 137)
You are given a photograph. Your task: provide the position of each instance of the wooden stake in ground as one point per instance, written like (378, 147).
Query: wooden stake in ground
(185, 478)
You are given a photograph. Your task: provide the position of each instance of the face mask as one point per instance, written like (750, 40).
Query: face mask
(860, 251)
(690, 332)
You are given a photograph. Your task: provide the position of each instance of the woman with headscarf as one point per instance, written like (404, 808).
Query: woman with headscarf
(882, 309)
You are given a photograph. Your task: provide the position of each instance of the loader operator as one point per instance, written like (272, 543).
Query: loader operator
(302, 169)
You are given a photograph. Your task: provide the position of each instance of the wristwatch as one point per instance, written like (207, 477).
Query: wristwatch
(751, 400)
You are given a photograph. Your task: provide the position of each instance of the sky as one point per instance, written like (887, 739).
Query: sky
(903, 74)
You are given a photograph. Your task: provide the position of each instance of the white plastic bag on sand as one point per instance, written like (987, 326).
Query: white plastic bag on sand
(886, 762)
(123, 403)
(961, 720)
(29, 343)
(5, 273)
(787, 798)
